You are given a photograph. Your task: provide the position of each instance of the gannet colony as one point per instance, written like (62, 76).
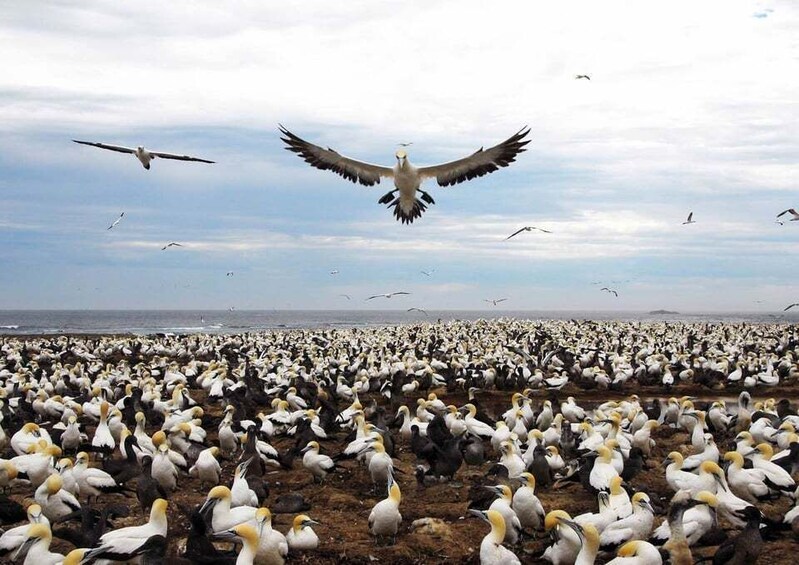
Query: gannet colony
(493, 442)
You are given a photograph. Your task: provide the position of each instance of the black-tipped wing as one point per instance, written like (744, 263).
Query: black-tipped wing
(790, 211)
(479, 163)
(162, 155)
(516, 233)
(690, 216)
(119, 148)
(329, 160)
(397, 293)
(789, 307)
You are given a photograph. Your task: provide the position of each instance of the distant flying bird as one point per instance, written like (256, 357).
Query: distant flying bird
(405, 144)
(388, 295)
(171, 244)
(229, 274)
(417, 310)
(142, 154)
(609, 290)
(231, 309)
(578, 77)
(690, 219)
(527, 228)
(428, 273)
(347, 296)
(494, 302)
(792, 212)
(334, 272)
(407, 178)
(790, 306)
(119, 219)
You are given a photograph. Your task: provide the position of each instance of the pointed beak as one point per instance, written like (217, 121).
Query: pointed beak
(479, 513)
(208, 505)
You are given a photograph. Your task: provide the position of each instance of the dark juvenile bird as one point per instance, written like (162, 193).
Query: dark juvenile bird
(408, 178)
(743, 549)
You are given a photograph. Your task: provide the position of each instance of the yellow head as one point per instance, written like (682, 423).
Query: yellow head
(554, 518)
(629, 549)
(54, 484)
(708, 498)
(248, 535)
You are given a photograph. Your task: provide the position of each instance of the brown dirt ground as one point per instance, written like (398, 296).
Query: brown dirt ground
(343, 503)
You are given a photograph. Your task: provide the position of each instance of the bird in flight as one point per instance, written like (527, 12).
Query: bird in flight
(405, 144)
(428, 273)
(690, 219)
(119, 219)
(495, 301)
(387, 295)
(142, 154)
(586, 77)
(526, 228)
(792, 212)
(334, 272)
(171, 244)
(347, 296)
(229, 274)
(408, 178)
(790, 306)
(417, 310)
(610, 290)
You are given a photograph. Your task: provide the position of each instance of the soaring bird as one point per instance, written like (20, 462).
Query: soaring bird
(347, 296)
(408, 178)
(494, 301)
(142, 154)
(387, 295)
(334, 272)
(690, 219)
(586, 77)
(791, 306)
(428, 273)
(229, 274)
(119, 219)
(609, 291)
(527, 228)
(171, 244)
(417, 310)
(792, 212)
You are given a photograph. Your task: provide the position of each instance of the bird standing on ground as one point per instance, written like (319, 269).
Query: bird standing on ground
(408, 178)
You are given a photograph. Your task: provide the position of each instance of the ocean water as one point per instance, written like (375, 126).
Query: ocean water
(142, 322)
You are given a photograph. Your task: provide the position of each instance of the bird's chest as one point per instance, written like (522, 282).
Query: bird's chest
(406, 178)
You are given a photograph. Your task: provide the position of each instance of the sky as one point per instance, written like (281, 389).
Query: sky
(691, 106)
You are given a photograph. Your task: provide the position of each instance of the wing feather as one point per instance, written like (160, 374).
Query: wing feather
(119, 148)
(479, 163)
(329, 160)
(163, 155)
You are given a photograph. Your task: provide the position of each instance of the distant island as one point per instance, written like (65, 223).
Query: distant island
(663, 312)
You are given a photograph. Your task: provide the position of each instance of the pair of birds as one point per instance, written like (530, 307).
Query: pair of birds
(407, 178)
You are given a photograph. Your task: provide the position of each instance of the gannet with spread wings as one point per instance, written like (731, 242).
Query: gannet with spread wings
(408, 178)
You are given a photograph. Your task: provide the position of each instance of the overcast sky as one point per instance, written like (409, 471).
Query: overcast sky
(691, 106)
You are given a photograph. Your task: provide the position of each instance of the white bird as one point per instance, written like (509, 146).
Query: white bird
(54, 500)
(526, 228)
(240, 492)
(12, 539)
(792, 212)
(637, 552)
(36, 547)
(224, 517)
(123, 544)
(387, 295)
(301, 536)
(334, 272)
(171, 244)
(637, 525)
(495, 301)
(272, 545)
(317, 463)
(690, 219)
(408, 178)
(119, 219)
(207, 467)
(142, 154)
(527, 505)
(385, 518)
(492, 552)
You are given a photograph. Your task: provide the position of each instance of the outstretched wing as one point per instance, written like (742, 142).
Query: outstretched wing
(479, 163)
(119, 148)
(328, 159)
(690, 216)
(789, 307)
(163, 155)
(515, 233)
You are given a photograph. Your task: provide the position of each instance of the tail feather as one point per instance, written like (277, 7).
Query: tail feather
(407, 217)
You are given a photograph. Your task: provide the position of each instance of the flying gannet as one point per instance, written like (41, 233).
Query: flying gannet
(495, 301)
(408, 178)
(527, 228)
(142, 154)
(690, 219)
(387, 295)
(171, 244)
(119, 219)
(790, 211)
(578, 77)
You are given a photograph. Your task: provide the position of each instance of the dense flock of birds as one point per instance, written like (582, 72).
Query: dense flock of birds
(85, 420)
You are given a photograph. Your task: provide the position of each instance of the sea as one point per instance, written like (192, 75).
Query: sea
(146, 322)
